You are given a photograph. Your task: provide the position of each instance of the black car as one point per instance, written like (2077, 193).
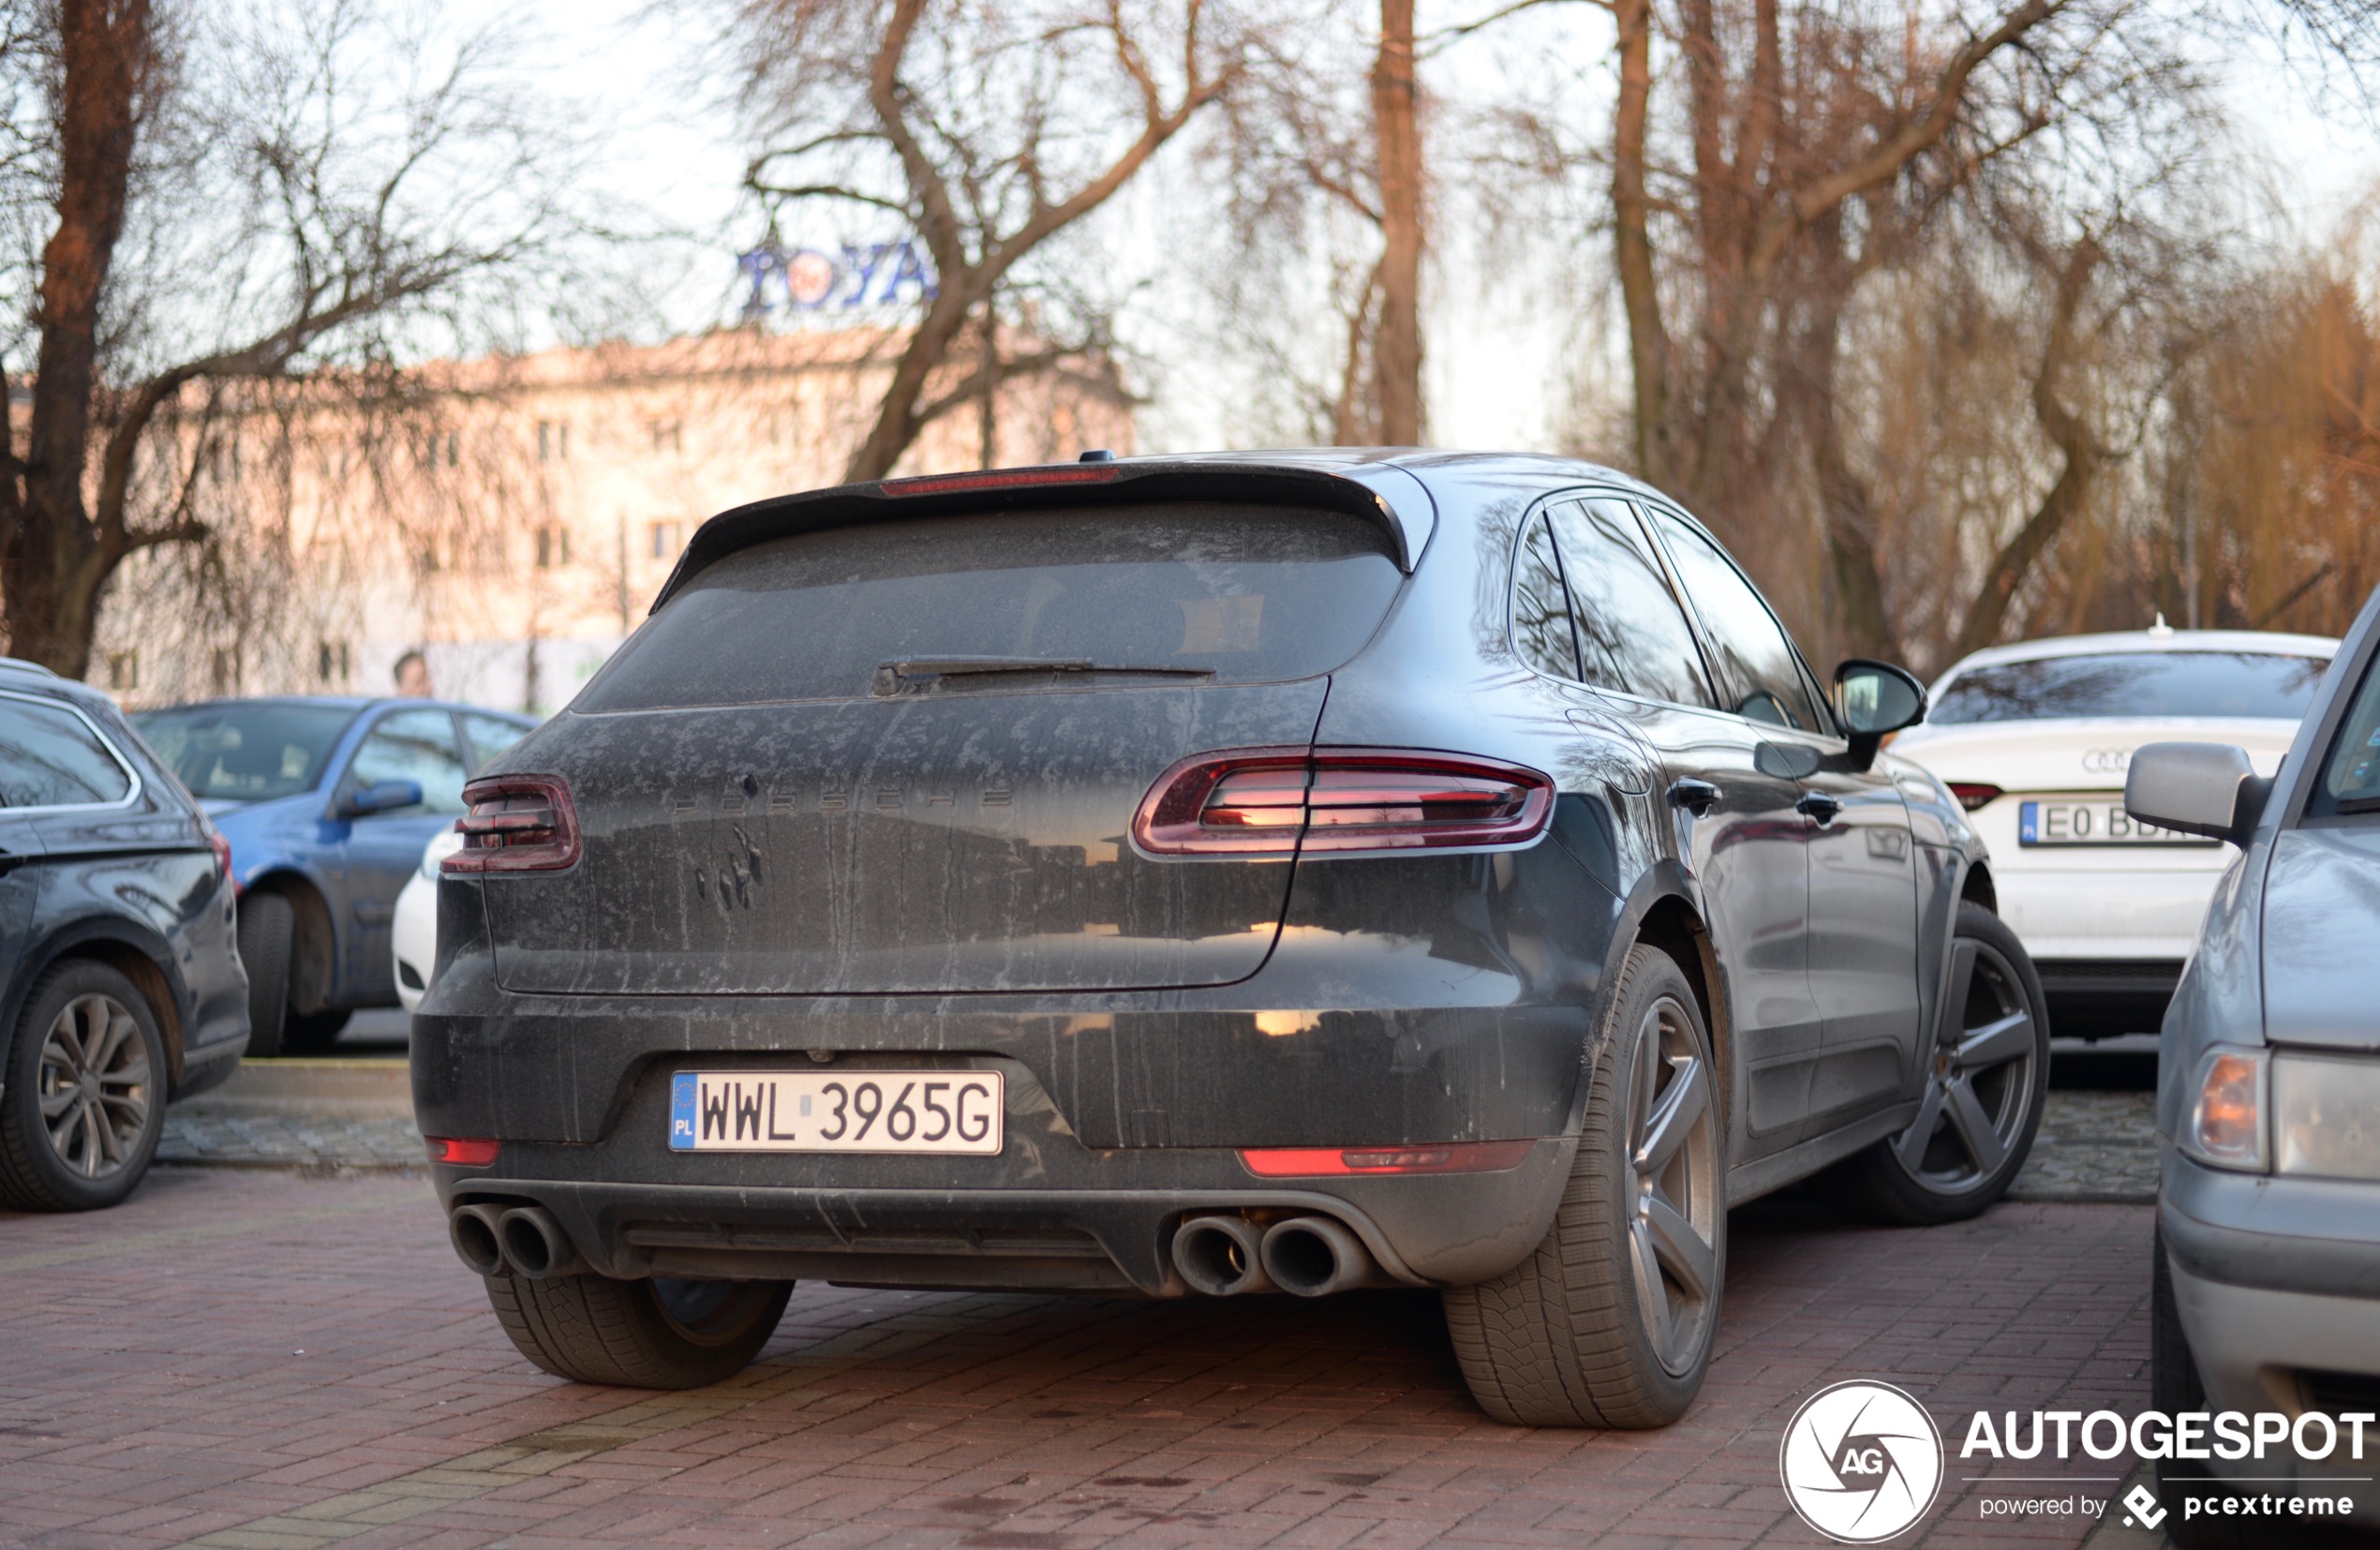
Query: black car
(1209, 876)
(120, 986)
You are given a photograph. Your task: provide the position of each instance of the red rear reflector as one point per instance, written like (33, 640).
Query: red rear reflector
(516, 823)
(1293, 1162)
(1005, 479)
(1284, 801)
(1972, 795)
(461, 1153)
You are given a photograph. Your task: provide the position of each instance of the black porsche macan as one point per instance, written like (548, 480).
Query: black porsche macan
(1209, 876)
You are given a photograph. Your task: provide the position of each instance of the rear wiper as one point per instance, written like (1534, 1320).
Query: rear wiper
(918, 676)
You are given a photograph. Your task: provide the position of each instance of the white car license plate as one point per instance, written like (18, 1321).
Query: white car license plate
(835, 1111)
(2093, 824)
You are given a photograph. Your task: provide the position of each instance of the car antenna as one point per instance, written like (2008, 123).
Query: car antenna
(2160, 629)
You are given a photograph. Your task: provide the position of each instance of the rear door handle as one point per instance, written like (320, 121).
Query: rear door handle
(1820, 807)
(1696, 797)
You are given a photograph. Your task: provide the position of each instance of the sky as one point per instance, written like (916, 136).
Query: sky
(1501, 358)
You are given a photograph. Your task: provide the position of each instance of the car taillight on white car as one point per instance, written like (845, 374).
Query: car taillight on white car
(1974, 794)
(1254, 802)
(516, 823)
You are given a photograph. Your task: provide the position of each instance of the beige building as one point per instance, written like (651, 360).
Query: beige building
(514, 518)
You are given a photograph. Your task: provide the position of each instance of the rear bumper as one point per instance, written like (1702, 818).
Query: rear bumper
(1125, 1113)
(2104, 911)
(1090, 1223)
(2100, 998)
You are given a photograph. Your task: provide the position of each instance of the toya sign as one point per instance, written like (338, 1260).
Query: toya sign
(853, 275)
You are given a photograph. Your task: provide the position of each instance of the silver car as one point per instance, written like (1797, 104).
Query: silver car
(2267, 1278)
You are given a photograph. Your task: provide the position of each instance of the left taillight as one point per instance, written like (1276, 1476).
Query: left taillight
(222, 848)
(515, 823)
(1287, 802)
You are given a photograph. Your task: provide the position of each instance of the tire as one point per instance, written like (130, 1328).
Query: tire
(82, 1016)
(591, 1329)
(1570, 1337)
(1958, 1157)
(307, 1033)
(266, 924)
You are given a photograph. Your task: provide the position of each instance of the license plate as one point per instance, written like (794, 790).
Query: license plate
(835, 1111)
(2093, 824)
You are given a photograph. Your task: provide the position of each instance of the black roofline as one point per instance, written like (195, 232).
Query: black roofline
(1381, 491)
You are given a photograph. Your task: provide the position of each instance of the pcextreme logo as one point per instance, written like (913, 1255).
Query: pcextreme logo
(1861, 1462)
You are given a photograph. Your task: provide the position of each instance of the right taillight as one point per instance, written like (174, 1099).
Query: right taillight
(1971, 794)
(1277, 802)
(515, 823)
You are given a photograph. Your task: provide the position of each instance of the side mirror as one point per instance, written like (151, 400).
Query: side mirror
(382, 797)
(2196, 788)
(1872, 698)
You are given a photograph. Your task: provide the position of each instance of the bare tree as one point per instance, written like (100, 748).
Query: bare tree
(1396, 345)
(989, 131)
(200, 198)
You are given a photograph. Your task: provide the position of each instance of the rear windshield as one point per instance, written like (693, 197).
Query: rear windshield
(2350, 780)
(246, 753)
(2135, 683)
(1089, 597)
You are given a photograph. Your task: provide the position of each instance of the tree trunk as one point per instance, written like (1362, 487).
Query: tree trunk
(897, 424)
(58, 561)
(1397, 348)
(2072, 436)
(1648, 339)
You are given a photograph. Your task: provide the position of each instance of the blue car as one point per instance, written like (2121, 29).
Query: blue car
(327, 803)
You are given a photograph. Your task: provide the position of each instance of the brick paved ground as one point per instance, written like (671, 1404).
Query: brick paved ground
(282, 1361)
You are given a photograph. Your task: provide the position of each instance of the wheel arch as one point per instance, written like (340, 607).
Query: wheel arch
(313, 937)
(129, 947)
(1976, 888)
(1662, 912)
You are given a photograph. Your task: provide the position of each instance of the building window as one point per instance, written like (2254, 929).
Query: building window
(442, 449)
(553, 441)
(553, 547)
(123, 670)
(665, 540)
(223, 677)
(330, 661)
(668, 435)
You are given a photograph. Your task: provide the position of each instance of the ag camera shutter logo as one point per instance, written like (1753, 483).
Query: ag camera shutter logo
(1861, 1462)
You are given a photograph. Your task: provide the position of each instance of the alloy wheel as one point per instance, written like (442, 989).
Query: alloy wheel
(95, 1086)
(1673, 1223)
(1979, 1095)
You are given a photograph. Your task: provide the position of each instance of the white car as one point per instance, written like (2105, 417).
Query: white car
(2035, 740)
(414, 931)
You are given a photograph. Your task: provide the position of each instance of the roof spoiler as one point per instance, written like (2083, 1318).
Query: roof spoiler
(1381, 491)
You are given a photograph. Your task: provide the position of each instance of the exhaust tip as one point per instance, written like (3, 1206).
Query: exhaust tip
(1314, 1255)
(1220, 1256)
(472, 1231)
(535, 1242)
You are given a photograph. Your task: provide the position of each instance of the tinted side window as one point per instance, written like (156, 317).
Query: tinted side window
(1753, 650)
(414, 745)
(49, 758)
(2350, 780)
(1631, 635)
(1540, 613)
(488, 736)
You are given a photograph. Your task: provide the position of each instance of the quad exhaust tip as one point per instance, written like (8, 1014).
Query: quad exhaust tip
(535, 1243)
(1221, 1255)
(498, 1240)
(1308, 1256)
(478, 1240)
(1313, 1257)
